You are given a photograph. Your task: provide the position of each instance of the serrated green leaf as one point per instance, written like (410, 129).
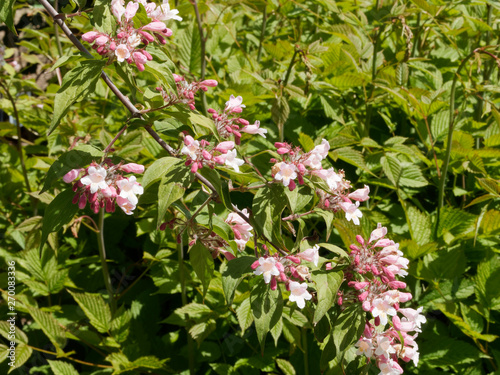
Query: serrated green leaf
(62, 368)
(267, 207)
(7, 14)
(158, 169)
(18, 337)
(50, 326)
(96, 309)
(285, 366)
(267, 308)
(190, 49)
(23, 353)
(77, 85)
(244, 315)
(420, 225)
(202, 263)
(104, 20)
(327, 284)
(232, 273)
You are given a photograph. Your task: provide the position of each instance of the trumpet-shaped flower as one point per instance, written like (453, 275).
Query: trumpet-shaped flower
(95, 178)
(299, 293)
(129, 187)
(267, 268)
(286, 173)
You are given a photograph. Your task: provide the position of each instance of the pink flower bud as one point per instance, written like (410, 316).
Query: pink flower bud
(194, 167)
(110, 205)
(147, 36)
(363, 296)
(220, 159)
(163, 226)
(155, 26)
(243, 122)
(354, 248)
(90, 36)
(82, 202)
(280, 267)
(283, 277)
(206, 155)
(227, 255)
(292, 185)
(377, 321)
(294, 259)
(396, 322)
(328, 266)
(361, 285)
(360, 195)
(301, 168)
(148, 55)
(101, 40)
(132, 168)
(283, 151)
(327, 203)
(236, 110)
(374, 270)
(404, 297)
(71, 175)
(209, 83)
(384, 242)
(360, 240)
(340, 300)
(280, 144)
(396, 284)
(224, 147)
(211, 110)
(76, 197)
(139, 57)
(274, 283)
(366, 306)
(255, 265)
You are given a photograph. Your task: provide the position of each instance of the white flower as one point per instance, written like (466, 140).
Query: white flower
(234, 104)
(164, 13)
(134, 40)
(314, 161)
(232, 161)
(360, 194)
(267, 268)
(122, 53)
(382, 308)
(129, 187)
(389, 368)
(125, 205)
(286, 173)
(351, 211)
(191, 147)
(118, 9)
(414, 316)
(330, 177)
(254, 129)
(322, 149)
(241, 229)
(95, 178)
(378, 233)
(299, 293)
(409, 352)
(365, 347)
(311, 255)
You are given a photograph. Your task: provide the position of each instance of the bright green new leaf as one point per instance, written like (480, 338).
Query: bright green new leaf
(62, 368)
(327, 284)
(7, 14)
(96, 309)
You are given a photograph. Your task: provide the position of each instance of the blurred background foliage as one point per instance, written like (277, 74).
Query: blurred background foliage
(406, 93)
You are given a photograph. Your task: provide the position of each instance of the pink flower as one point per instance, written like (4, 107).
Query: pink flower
(232, 161)
(209, 83)
(164, 13)
(299, 293)
(71, 175)
(131, 10)
(286, 173)
(90, 36)
(102, 40)
(378, 233)
(311, 255)
(234, 104)
(95, 178)
(360, 195)
(322, 149)
(132, 168)
(351, 211)
(125, 205)
(267, 267)
(224, 147)
(129, 187)
(414, 317)
(191, 147)
(254, 129)
(330, 177)
(241, 229)
(155, 26)
(118, 9)
(365, 347)
(382, 308)
(122, 53)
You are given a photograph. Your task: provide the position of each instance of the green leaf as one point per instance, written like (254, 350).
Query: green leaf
(51, 327)
(104, 20)
(232, 273)
(244, 315)
(220, 186)
(334, 249)
(280, 111)
(7, 14)
(190, 48)
(202, 263)
(351, 156)
(19, 337)
(420, 226)
(298, 198)
(192, 311)
(487, 279)
(162, 74)
(267, 308)
(77, 85)
(172, 187)
(327, 285)
(23, 353)
(328, 216)
(158, 169)
(121, 364)
(443, 264)
(78, 157)
(267, 206)
(62, 368)
(58, 213)
(285, 366)
(141, 17)
(348, 327)
(96, 309)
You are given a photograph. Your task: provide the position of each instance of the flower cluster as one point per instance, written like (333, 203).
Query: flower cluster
(289, 270)
(185, 91)
(199, 154)
(372, 274)
(129, 42)
(296, 164)
(228, 122)
(241, 229)
(103, 185)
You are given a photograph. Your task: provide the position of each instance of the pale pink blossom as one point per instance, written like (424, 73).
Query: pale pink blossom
(118, 9)
(254, 129)
(95, 179)
(130, 10)
(299, 293)
(122, 52)
(132, 168)
(382, 308)
(267, 268)
(286, 173)
(322, 149)
(311, 255)
(71, 175)
(331, 178)
(225, 146)
(390, 368)
(191, 147)
(129, 189)
(351, 211)
(164, 13)
(365, 347)
(378, 233)
(234, 104)
(232, 161)
(125, 205)
(414, 316)
(360, 195)
(384, 346)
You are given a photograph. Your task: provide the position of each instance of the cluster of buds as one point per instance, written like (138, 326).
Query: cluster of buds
(199, 153)
(103, 185)
(228, 122)
(372, 274)
(129, 42)
(185, 91)
(288, 270)
(339, 198)
(241, 229)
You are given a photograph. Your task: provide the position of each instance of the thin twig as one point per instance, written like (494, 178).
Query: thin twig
(70, 358)
(108, 147)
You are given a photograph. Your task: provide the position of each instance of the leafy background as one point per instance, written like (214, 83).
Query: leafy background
(376, 79)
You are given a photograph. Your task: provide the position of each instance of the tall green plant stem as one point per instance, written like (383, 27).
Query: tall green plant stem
(203, 42)
(104, 265)
(442, 180)
(182, 277)
(306, 354)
